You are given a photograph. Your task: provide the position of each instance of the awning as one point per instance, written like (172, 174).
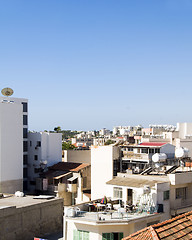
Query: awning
(72, 178)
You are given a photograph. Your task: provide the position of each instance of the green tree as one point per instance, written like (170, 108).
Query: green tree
(109, 142)
(57, 129)
(67, 145)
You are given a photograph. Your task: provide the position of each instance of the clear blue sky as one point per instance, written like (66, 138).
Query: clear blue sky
(85, 64)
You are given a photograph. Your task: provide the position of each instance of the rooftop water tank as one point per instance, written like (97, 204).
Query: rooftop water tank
(159, 157)
(181, 152)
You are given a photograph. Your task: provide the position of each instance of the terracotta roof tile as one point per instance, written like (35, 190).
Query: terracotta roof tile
(179, 227)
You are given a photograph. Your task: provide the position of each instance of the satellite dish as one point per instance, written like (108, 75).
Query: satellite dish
(7, 92)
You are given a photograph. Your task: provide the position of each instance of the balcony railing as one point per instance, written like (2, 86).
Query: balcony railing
(138, 156)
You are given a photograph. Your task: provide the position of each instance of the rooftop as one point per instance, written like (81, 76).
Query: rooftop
(179, 227)
(62, 169)
(137, 180)
(18, 202)
(109, 217)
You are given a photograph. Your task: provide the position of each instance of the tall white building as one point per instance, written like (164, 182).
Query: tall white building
(13, 144)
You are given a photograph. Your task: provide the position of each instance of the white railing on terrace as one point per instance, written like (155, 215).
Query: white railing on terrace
(106, 216)
(138, 156)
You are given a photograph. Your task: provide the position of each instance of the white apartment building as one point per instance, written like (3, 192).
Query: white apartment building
(45, 149)
(138, 156)
(13, 144)
(104, 131)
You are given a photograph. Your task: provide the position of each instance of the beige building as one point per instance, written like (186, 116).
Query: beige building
(76, 156)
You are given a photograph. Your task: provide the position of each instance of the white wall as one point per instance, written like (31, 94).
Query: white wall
(50, 151)
(11, 142)
(96, 231)
(184, 129)
(101, 169)
(51, 147)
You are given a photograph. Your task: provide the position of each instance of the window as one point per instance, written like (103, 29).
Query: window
(30, 143)
(24, 106)
(25, 159)
(117, 192)
(181, 193)
(25, 133)
(151, 150)
(80, 235)
(37, 170)
(25, 185)
(25, 120)
(144, 150)
(25, 147)
(38, 143)
(157, 150)
(35, 157)
(25, 172)
(112, 236)
(166, 195)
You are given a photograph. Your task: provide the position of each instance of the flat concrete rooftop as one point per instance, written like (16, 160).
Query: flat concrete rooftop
(18, 202)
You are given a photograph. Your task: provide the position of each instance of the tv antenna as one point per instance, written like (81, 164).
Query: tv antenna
(7, 92)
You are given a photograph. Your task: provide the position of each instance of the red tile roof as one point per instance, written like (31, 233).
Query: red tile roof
(179, 227)
(152, 144)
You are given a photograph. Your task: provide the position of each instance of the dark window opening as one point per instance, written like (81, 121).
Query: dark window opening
(24, 106)
(25, 120)
(25, 146)
(25, 172)
(25, 159)
(25, 132)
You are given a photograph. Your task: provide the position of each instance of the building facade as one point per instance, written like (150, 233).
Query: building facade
(13, 144)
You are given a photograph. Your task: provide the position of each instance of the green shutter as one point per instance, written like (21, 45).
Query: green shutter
(75, 235)
(80, 235)
(120, 235)
(111, 236)
(107, 236)
(85, 235)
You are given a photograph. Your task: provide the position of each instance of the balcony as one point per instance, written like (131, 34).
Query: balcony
(136, 156)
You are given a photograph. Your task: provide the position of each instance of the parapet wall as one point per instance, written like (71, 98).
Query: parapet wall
(31, 221)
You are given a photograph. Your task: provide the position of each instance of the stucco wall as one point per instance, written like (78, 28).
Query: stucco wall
(78, 156)
(101, 170)
(34, 220)
(11, 142)
(11, 186)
